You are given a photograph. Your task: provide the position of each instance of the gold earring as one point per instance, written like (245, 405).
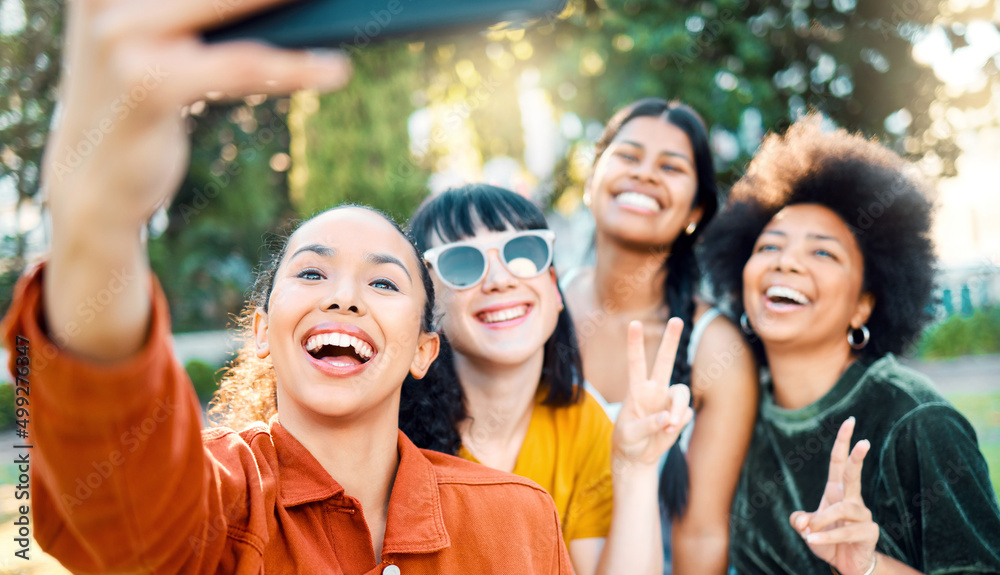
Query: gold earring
(691, 228)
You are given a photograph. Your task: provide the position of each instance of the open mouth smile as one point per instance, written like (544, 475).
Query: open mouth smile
(637, 201)
(784, 298)
(500, 317)
(339, 350)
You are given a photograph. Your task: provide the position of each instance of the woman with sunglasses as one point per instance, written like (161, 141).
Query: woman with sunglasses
(824, 252)
(516, 402)
(651, 191)
(123, 480)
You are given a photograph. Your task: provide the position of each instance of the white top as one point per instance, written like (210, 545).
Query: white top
(697, 332)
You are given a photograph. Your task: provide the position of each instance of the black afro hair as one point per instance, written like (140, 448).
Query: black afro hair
(877, 194)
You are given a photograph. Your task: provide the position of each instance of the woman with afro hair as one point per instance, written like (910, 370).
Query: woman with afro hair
(824, 254)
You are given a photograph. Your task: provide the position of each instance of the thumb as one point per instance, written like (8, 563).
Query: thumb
(800, 520)
(644, 427)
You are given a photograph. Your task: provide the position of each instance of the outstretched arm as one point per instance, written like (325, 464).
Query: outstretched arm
(130, 67)
(122, 482)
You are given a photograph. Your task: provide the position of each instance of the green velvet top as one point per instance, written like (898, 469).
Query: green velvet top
(924, 479)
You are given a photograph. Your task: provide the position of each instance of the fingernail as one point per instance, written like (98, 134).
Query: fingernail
(851, 419)
(812, 538)
(333, 68)
(801, 522)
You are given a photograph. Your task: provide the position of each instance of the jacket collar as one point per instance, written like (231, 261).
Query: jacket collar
(415, 522)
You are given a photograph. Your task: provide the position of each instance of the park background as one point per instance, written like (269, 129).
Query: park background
(522, 109)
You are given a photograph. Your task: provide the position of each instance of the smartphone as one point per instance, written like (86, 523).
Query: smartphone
(354, 24)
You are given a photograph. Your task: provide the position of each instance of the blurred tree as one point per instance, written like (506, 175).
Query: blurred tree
(748, 66)
(353, 145)
(30, 58)
(207, 244)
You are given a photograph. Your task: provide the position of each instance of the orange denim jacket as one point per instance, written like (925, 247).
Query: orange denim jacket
(125, 480)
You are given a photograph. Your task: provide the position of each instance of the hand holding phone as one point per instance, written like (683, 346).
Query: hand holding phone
(354, 24)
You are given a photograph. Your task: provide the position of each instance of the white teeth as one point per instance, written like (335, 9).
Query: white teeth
(638, 200)
(787, 292)
(505, 314)
(363, 349)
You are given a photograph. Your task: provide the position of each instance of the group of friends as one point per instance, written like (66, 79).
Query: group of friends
(437, 400)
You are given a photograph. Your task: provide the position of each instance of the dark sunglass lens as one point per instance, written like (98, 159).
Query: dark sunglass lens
(526, 256)
(461, 265)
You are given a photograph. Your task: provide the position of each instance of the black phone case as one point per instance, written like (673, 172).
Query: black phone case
(353, 24)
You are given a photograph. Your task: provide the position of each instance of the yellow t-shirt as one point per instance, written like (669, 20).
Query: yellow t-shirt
(567, 451)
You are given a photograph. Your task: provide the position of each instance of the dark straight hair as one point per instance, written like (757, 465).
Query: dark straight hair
(683, 275)
(456, 215)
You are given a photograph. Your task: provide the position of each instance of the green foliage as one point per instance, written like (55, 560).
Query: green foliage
(959, 335)
(229, 202)
(726, 57)
(357, 143)
(204, 378)
(6, 406)
(29, 70)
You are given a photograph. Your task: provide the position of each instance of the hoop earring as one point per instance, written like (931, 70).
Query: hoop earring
(745, 324)
(691, 228)
(865, 334)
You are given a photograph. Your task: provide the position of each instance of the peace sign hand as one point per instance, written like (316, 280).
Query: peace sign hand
(841, 531)
(654, 412)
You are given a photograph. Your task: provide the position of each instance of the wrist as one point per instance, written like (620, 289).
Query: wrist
(630, 471)
(870, 571)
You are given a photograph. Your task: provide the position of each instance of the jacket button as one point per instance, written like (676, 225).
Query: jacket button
(390, 570)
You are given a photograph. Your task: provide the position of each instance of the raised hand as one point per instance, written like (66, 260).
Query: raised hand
(119, 146)
(130, 66)
(654, 412)
(841, 531)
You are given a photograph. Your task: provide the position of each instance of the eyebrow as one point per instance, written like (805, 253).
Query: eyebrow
(379, 259)
(317, 249)
(668, 153)
(374, 259)
(810, 236)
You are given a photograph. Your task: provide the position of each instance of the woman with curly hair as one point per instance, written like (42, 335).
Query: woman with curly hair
(514, 385)
(824, 253)
(652, 191)
(124, 480)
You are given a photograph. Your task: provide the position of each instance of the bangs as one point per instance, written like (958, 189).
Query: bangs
(459, 213)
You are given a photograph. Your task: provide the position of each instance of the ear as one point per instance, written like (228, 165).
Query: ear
(555, 283)
(260, 333)
(428, 345)
(696, 213)
(866, 303)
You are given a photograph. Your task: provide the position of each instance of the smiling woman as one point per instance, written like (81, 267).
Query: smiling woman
(652, 191)
(328, 483)
(824, 253)
(515, 388)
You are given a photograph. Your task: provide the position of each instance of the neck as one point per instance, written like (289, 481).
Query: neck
(627, 278)
(361, 455)
(801, 376)
(500, 398)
